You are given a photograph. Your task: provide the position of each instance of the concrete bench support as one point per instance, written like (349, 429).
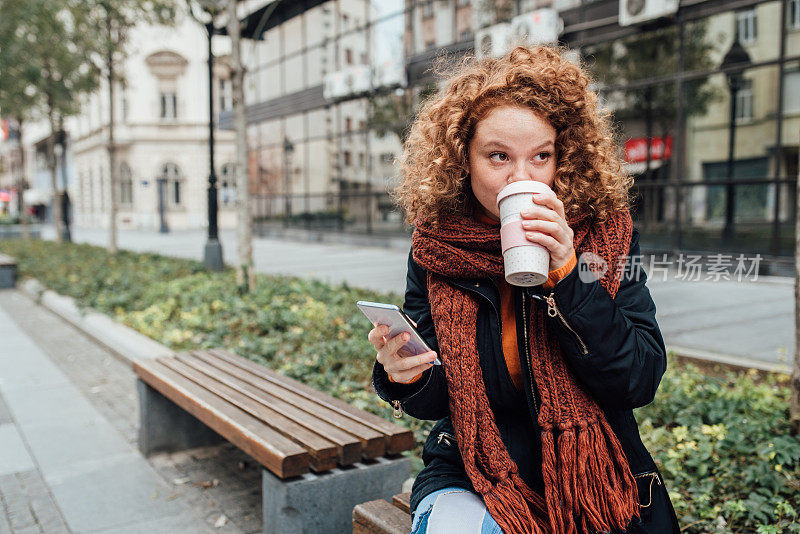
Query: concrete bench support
(166, 427)
(8, 271)
(322, 503)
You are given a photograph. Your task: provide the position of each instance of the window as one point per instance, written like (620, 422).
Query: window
(125, 185)
(364, 58)
(793, 15)
(168, 105)
(228, 189)
(348, 158)
(744, 102)
(362, 125)
(348, 124)
(791, 92)
(746, 26)
(225, 95)
(348, 56)
(345, 21)
(360, 159)
(427, 9)
(172, 183)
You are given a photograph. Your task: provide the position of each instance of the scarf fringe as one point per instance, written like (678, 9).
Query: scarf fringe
(588, 484)
(509, 508)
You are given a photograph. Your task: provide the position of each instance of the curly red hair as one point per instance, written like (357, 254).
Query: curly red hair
(590, 179)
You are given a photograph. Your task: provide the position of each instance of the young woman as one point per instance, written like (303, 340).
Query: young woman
(535, 431)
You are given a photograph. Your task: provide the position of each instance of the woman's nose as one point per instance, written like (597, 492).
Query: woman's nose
(519, 172)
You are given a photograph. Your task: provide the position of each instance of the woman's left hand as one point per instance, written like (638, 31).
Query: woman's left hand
(546, 224)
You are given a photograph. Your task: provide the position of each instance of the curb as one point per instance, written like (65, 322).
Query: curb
(125, 342)
(130, 345)
(728, 360)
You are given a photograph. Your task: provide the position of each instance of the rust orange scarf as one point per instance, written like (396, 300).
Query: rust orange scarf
(588, 483)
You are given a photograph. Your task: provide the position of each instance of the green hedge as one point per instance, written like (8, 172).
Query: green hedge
(721, 440)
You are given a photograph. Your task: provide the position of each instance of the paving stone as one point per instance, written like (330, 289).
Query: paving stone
(14, 456)
(109, 387)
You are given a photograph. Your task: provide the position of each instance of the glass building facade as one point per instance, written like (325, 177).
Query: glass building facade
(706, 104)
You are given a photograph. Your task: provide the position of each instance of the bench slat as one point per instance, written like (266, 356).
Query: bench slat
(275, 452)
(322, 451)
(403, 501)
(348, 448)
(380, 517)
(373, 443)
(399, 439)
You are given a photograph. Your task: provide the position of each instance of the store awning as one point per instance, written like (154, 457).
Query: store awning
(254, 24)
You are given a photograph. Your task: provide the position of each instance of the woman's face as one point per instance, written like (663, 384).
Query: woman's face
(511, 143)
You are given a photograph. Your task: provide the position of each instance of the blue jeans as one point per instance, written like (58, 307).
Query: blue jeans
(453, 511)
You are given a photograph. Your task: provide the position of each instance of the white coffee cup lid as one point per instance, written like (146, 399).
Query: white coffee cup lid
(523, 186)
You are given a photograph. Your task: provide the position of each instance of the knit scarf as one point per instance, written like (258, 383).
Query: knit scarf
(588, 485)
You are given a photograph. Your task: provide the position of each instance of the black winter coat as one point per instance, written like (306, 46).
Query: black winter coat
(613, 346)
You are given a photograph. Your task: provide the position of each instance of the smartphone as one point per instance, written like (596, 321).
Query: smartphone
(398, 322)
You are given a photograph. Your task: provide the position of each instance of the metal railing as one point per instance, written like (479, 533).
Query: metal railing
(361, 212)
(670, 216)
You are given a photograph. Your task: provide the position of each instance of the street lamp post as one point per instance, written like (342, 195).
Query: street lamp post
(735, 61)
(213, 251)
(288, 150)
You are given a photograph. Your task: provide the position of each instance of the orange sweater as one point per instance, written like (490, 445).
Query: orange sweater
(508, 317)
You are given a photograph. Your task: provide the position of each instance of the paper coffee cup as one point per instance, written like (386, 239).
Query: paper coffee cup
(526, 263)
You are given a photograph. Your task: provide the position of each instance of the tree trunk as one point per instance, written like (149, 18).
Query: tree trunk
(794, 406)
(53, 166)
(244, 227)
(23, 217)
(112, 155)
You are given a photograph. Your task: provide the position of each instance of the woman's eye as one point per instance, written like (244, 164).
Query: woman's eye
(542, 156)
(498, 156)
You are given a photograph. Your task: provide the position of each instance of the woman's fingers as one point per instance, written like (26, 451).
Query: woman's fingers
(389, 350)
(375, 336)
(405, 369)
(412, 362)
(551, 201)
(408, 375)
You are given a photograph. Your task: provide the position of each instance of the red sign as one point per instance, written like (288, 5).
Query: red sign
(4, 128)
(636, 149)
(5, 197)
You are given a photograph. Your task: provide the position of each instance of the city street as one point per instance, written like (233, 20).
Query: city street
(748, 322)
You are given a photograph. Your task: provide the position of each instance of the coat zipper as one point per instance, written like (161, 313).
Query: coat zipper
(448, 438)
(654, 476)
(397, 413)
(525, 336)
(528, 355)
(553, 311)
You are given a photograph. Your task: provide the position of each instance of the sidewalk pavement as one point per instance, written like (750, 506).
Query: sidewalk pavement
(68, 460)
(742, 322)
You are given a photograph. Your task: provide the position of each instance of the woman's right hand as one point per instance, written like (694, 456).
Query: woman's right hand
(398, 364)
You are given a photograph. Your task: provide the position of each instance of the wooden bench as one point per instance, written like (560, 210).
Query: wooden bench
(380, 517)
(320, 455)
(8, 271)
